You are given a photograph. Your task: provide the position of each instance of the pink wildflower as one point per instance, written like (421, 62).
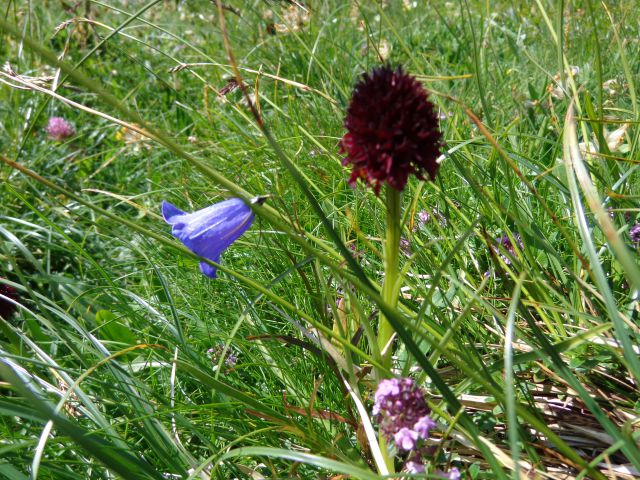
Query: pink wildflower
(58, 129)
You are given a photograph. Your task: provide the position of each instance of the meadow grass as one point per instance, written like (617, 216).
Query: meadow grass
(114, 364)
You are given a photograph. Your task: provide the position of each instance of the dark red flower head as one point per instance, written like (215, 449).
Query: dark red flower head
(6, 307)
(392, 130)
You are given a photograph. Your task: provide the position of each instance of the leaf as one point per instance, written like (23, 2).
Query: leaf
(113, 329)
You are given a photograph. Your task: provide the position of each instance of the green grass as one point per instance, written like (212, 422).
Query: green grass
(105, 370)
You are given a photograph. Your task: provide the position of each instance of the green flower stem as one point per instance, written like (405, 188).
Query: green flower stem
(391, 269)
(389, 292)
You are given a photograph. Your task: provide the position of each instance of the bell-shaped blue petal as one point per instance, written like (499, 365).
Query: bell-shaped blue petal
(210, 231)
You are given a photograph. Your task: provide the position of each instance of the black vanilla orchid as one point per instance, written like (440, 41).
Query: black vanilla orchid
(392, 130)
(8, 295)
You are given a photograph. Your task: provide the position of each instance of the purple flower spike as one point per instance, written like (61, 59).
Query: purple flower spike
(210, 231)
(402, 413)
(59, 129)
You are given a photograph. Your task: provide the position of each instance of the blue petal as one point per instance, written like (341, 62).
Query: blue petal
(169, 211)
(208, 270)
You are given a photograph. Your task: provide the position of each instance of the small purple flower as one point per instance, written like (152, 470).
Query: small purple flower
(210, 231)
(231, 360)
(508, 246)
(405, 247)
(230, 357)
(423, 217)
(354, 250)
(58, 129)
(386, 388)
(423, 426)
(414, 466)
(634, 233)
(405, 438)
(453, 474)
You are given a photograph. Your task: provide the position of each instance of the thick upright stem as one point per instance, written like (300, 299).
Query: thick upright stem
(391, 269)
(389, 291)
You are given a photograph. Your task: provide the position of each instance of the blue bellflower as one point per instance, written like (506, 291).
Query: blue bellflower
(210, 231)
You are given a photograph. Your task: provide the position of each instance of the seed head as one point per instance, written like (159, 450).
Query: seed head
(392, 130)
